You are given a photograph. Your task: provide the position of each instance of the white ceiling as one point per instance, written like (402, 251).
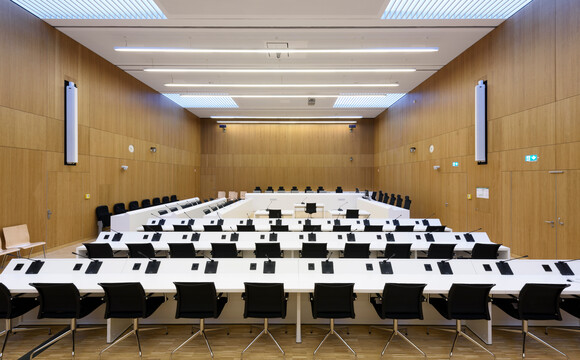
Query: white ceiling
(251, 24)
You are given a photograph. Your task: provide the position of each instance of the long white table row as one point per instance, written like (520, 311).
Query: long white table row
(298, 277)
(379, 209)
(130, 220)
(230, 224)
(292, 241)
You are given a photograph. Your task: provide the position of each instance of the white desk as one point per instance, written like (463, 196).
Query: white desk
(342, 213)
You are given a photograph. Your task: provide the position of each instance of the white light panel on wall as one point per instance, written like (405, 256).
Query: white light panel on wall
(453, 9)
(93, 9)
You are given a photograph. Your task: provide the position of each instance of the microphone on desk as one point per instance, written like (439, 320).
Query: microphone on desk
(469, 232)
(205, 256)
(157, 216)
(340, 207)
(167, 206)
(147, 257)
(302, 202)
(446, 260)
(85, 256)
(269, 260)
(118, 232)
(520, 257)
(29, 259)
(218, 214)
(232, 228)
(572, 281)
(565, 261)
(268, 207)
(186, 214)
(328, 258)
(389, 258)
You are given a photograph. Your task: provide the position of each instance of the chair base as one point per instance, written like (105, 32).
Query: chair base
(135, 330)
(9, 330)
(202, 330)
(525, 332)
(333, 332)
(264, 331)
(394, 332)
(459, 332)
(72, 330)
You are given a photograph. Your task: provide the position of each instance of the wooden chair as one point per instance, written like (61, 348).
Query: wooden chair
(17, 238)
(221, 194)
(233, 195)
(243, 195)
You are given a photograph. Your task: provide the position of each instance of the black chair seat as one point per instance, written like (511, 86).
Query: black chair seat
(484, 251)
(400, 301)
(99, 250)
(14, 306)
(198, 300)
(398, 251)
(128, 301)
(181, 250)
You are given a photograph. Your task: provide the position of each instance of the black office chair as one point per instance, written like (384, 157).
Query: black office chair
(373, 228)
(338, 190)
(198, 300)
(374, 195)
(281, 189)
(133, 205)
(182, 250)
(352, 213)
(182, 228)
(440, 251)
(103, 217)
(268, 250)
(464, 302)
(145, 203)
(279, 228)
(99, 250)
(407, 204)
(399, 301)
(13, 306)
(380, 198)
(311, 228)
(404, 228)
(119, 208)
(333, 301)
(313, 250)
(399, 201)
(246, 228)
(294, 189)
(165, 199)
(484, 251)
(265, 301)
(156, 201)
(356, 251)
(535, 302)
(341, 228)
(308, 189)
(214, 228)
(310, 209)
(257, 189)
(141, 250)
(393, 200)
(63, 301)
(224, 250)
(269, 190)
(398, 251)
(320, 189)
(274, 213)
(154, 227)
(572, 306)
(173, 198)
(386, 198)
(129, 301)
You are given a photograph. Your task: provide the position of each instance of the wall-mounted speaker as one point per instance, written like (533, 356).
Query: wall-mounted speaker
(481, 122)
(71, 124)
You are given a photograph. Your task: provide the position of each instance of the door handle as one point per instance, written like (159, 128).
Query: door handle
(549, 222)
(559, 221)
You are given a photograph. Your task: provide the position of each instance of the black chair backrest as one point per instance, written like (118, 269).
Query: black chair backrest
(155, 227)
(386, 199)
(310, 208)
(274, 213)
(224, 250)
(374, 195)
(165, 199)
(196, 300)
(258, 189)
(404, 228)
(484, 251)
(119, 208)
(352, 213)
(403, 301)
(342, 228)
(206, 211)
(398, 251)
(133, 205)
(373, 228)
(212, 228)
(141, 250)
(268, 250)
(281, 188)
(468, 301)
(182, 227)
(181, 250)
(11, 307)
(334, 301)
(399, 201)
(407, 204)
(314, 250)
(173, 198)
(264, 300)
(103, 215)
(309, 227)
(246, 228)
(440, 251)
(60, 301)
(145, 203)
(282, 228)
(357, 250)
(156, 201)
(294, 188)
(124, 300)
(393, 199)
(338, 190)
(540, 301)
(435, 228)
(308, 188)
(99, 250)
(380, 198)
(5, 302)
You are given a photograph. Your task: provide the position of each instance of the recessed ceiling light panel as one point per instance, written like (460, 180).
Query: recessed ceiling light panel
(215, 101)
(93, 9)
(453, 9)
(370, 101)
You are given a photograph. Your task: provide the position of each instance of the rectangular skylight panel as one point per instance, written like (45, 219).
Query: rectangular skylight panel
(93, 9)
(214, 101)
(369, 101)
(453, 9)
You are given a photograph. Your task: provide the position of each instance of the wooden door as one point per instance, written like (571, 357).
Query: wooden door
(454, 201)
(65, 225)
(568, 214)
(532, 208)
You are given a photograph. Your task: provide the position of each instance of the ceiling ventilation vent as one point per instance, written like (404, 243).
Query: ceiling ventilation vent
(277, 46)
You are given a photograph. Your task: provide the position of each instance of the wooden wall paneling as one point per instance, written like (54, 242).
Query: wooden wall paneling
(567, 49)
(567, 156)
(515, 159)
(505, 226)
(533, 203)
(66, 56)
(568, 214)
(22, 129)
(567, 124)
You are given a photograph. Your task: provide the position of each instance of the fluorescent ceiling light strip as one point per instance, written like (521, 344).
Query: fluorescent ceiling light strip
(328, 122)
(280, 85)
(265, 51)
(279, 70)
(286, 117)
(281, 96)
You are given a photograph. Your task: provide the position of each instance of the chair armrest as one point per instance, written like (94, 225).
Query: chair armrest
(444, 297)
(85, 295)
(354, 296)
(286, 296)
(311, 297)
(220, 295)
(16, 296)
(243, 296)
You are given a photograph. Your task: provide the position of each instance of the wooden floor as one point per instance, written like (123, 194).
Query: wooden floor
(157, 345)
